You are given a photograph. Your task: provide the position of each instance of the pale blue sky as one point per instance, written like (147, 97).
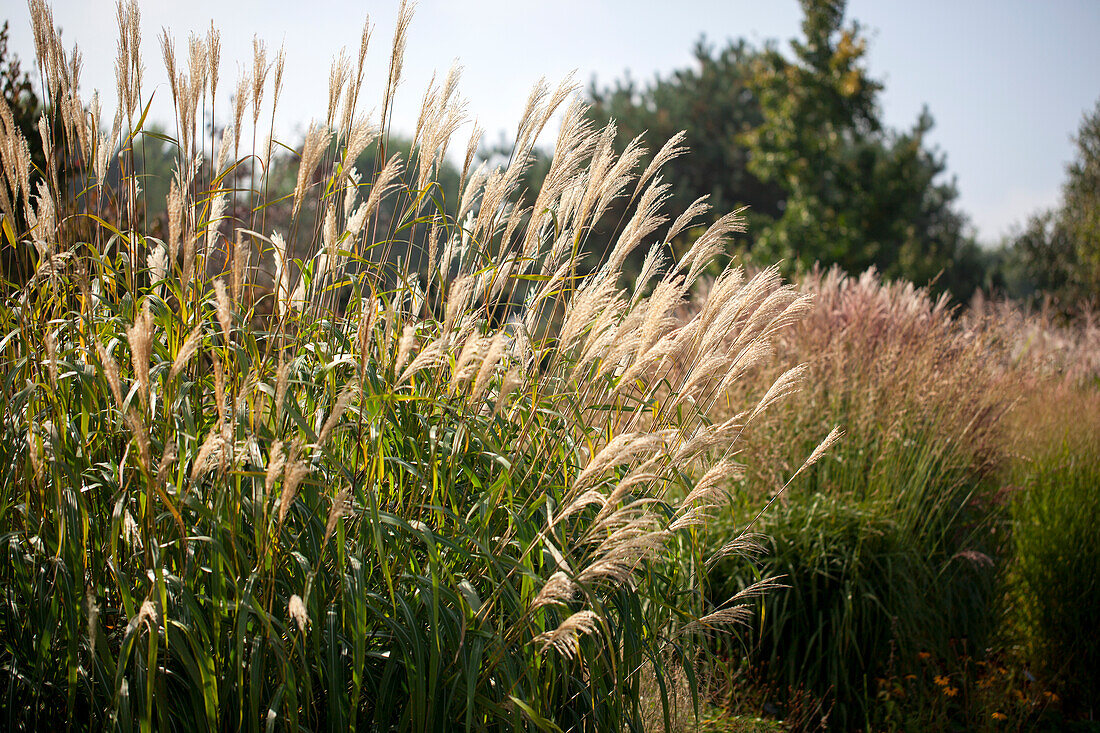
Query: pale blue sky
(1006, 80)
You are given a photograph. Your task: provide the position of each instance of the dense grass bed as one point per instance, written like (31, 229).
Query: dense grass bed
(336, 435)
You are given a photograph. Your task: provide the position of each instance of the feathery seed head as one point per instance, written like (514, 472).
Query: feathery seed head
(219, 390)
(140, 337)
(260, 69)
(337, 78)
(275, 463)
(397, 57)
(342, 402)
(209, 456)
(565, 639)
(784, 385)
(147, 614)
(240, 100)
(297, 612)
(51, 357)
(213, 57)
(221, 299)
(187, 349)
(297, 468)
(340, 507)
(558, 590)
(313, 148)
(282, 382)
(110, 369)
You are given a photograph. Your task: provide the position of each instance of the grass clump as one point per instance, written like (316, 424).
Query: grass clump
(426, 470)
(1053, 581)
(939, 563)
(887, 545)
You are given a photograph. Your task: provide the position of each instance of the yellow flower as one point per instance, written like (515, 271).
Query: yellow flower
(999, 716)
(923, 655)
(941, 680)
(950, 691)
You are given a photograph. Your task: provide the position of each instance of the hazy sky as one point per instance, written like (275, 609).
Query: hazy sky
(1007, 81)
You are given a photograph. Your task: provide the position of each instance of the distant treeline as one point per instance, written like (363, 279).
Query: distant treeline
(799, 138)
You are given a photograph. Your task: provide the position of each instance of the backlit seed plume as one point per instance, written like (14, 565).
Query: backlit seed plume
(213, 57)
(277, 84)
(297, 612)
(823, 447)
(734, 611)
(275, 463)
(51, 357)
(282, 383)
(671, 150)
(281, 279)
(340, 508)
(175, 218)
(167, 458)
(91, 612)
(158, 267)
(209, 455)
(312, 149)
(337, 78)
(187, 349)
(240, 101)
(745, 544)
(384, 183)
(621, 449)
(351, 99)
(565, 639)
(242, 252)
(141, 438)
(404, 348)
(219, 389)
(397, 57)
(297, 468)
(140, 338)
(428, 357)
(147, 614)
(217, 211)
(558, 589)
(168, 53)
(221, 298)
(197, 66)
(110, 368)
(362, 134)
(260, 69)
(342, 402)
(787, 383)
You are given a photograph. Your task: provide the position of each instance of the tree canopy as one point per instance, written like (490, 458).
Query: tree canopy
(1057, 253)
(799, 138)
(715, 105)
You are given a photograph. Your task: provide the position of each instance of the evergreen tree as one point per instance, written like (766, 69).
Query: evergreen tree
(857, 194)
(1057, 254)
(714, 105)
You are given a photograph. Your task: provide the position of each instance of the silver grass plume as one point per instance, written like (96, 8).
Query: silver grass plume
(565, 639)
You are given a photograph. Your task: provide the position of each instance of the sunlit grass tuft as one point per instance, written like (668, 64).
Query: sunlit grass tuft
(326, 448)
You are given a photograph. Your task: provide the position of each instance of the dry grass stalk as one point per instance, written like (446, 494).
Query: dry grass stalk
(140, 337)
